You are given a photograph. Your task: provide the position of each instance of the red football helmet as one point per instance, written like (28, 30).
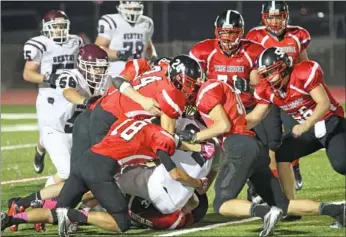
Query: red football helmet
(56, 26)
(93, 63)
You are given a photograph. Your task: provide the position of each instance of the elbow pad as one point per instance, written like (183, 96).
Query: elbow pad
(120, 83)
(166, 160)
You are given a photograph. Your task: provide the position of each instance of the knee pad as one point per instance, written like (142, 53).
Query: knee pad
(274, 145)
(201, 210)
(123, 220)
(55, 217)
(339, 167)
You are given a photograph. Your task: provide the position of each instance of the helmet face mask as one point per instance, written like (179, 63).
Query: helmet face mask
(275, 16)
(130, 10)
(274, 74)
(229, 29)
(56, 26)
(186, 75)
(93, 64)
(228, 38)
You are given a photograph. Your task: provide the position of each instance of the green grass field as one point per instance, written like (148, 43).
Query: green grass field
(321, 183)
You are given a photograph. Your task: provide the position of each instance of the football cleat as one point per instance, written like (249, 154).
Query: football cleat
(63, 221)
(340, 220)
(270, 220)
(14, 209)
(39, 161)
(4, 220)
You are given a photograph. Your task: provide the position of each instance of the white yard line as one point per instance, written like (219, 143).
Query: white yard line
(15, 116)
(19, 127)
(15, 147)
(213, 226)
(208, 227)
(23, 180)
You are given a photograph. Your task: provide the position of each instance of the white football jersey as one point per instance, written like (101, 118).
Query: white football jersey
(125, 37)
(52, 56)
(65, 112)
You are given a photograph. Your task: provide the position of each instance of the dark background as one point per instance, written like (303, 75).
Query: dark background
(178, 25)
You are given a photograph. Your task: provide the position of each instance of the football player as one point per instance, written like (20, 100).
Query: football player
(75, 89)
(293, 40)
(246, 158)
(230, 59)
(300, 91)
(95, 169)
(126, 35)
(54, 49)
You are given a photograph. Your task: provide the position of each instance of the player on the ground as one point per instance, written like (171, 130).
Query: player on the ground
(126, 35)
(245, 158)
(75, 90)
(300, 91)
(54, 49)
(95, 170)
(293, 40)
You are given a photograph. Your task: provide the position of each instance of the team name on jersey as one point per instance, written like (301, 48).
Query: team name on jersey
(224, 68)
(288, 49)
(292, 105)
(137, 36)
(63, 58)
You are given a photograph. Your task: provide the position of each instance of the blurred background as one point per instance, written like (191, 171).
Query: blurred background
(178, 26)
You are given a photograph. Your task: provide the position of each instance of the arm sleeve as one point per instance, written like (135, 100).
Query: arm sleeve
(166, 160)
(304, 38)
(135, 67)
(33, 51)
(105, 26)
(172, 102)
(210, 96)
(150, 29)
(252, 35)
(309, 76)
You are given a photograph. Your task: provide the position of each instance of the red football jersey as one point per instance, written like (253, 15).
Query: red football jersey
(153, 84)
(134, 68)
(214, 92)
(202, 50)
(224, 68)
(132, 141)
(297, 101)
(295, 40)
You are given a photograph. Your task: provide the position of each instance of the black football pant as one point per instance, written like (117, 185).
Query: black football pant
(95, 172)
(334, 141)
(247, 158)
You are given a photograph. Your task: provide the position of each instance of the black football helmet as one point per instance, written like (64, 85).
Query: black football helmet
(275, 16)
(274, 61)
(186, 75)
(229, 29)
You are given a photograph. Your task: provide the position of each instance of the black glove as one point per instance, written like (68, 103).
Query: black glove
(88, 101)
(241, 84)
(125, 55)
(50, 79)
(188, 136)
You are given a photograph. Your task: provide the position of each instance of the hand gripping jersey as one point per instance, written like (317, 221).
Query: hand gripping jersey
(134, 68)
(65, 112)
(214, 92)
(124, 36)
(295, 40)
(296, 100)
(153, 84)
(132, 141)
(224, 68)
(52, 56)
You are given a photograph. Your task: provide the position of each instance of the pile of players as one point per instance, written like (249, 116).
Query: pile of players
(149, 142)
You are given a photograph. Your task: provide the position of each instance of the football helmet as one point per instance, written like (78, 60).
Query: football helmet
(275, 16)
(92, 62)
(186, 75)
(229, 29)
(56, 26)
(130, 10)
(273, 65)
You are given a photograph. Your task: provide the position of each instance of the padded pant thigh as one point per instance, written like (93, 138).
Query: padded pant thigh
(241, 153)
